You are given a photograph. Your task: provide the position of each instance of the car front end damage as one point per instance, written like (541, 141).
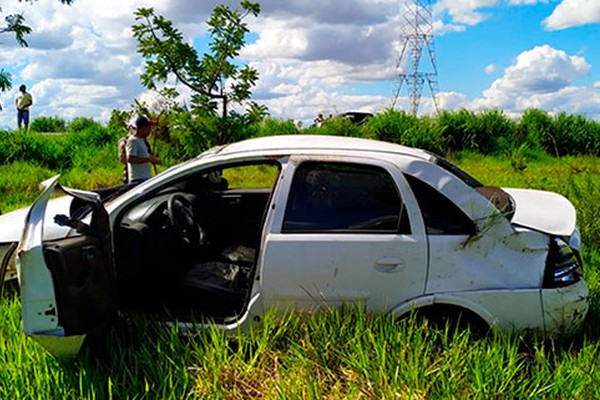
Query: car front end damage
(564, 292)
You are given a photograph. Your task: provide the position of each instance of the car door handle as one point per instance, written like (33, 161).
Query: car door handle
(389, 264)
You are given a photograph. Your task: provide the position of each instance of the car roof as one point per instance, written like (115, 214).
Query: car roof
(301, 143)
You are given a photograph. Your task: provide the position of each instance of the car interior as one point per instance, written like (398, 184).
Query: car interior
(190, 249)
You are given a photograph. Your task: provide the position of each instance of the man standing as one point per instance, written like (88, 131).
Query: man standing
(139, 157)
(23, 101)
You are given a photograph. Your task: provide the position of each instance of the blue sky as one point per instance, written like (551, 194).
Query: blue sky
(329, 56)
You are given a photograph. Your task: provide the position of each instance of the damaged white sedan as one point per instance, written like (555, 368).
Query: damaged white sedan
(297, 222)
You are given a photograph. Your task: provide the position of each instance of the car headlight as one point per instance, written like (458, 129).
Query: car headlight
(563, 265)
(8, 265)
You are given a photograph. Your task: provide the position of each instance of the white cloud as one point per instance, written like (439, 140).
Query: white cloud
(541, 70)
(304, 52)
(544, 78)
(464, 11)
(311, 56)
(570, 13)
(490, 69)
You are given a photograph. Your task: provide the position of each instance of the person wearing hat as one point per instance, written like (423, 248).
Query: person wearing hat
(139, 154)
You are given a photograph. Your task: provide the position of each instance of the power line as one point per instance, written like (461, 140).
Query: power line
(416, 37)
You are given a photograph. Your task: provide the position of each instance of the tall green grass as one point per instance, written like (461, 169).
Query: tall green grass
(337, 354)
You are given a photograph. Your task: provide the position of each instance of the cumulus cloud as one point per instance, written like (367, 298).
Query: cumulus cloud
(82, 59)
(544, 78)
(303, 50)
(571, 13)
(464, 11)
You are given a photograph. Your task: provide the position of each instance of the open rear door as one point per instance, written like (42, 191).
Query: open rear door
(68, 286)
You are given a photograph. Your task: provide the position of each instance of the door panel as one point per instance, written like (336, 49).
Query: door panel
(68, 285)
(85, 291)
(378, 271)
(348, 233)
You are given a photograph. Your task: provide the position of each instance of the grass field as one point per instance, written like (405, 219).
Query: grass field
(340, 354)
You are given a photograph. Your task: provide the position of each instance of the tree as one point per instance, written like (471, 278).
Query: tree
(15, 23)
(215, 79)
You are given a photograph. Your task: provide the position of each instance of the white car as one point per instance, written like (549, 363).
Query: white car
(297, 222)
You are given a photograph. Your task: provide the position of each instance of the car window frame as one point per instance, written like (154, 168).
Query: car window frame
(280, 203)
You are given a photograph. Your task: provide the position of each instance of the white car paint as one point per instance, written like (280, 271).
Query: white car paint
(496, 273)
(12, 223)
(537, 209)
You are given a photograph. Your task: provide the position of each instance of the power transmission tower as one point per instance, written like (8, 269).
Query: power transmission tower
(416, 36)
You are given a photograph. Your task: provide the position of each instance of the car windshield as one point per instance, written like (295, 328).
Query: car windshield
(498, 197)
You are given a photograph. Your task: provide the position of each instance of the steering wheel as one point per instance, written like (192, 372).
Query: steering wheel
(183, 222)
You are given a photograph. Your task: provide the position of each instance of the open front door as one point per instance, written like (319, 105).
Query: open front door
(68, 286)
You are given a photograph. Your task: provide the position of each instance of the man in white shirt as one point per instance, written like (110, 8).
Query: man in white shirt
(139, 155)
(23, 101)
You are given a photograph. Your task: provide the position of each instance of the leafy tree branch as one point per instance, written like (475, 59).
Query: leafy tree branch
(215, 78)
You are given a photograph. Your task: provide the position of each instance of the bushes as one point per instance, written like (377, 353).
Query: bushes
(22, 145)
(189, 134)
(47, 125)
(270, 126)
(488, 132)
(81, 124)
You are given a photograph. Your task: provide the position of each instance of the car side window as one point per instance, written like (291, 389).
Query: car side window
(440, 214)
(344, 197)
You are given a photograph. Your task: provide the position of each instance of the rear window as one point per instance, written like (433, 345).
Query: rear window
(498, 197)
(440, 215)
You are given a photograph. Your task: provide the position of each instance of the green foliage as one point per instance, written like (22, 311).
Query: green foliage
(118, 121)
(459, 130)
(5, 80)
(257, 112)
(405, 129)
(44, 150)
(339, 126)
(193, 133)
(270, 127)
(216, 79)
(537, 130)
(573, 134)
(16, 23)
(494, 131)
(79, 124)
(47, 124)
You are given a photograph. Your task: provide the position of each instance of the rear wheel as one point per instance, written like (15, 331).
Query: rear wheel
(453, 319)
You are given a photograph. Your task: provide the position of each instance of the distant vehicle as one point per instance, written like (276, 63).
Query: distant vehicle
(296, 222)
(359, 118)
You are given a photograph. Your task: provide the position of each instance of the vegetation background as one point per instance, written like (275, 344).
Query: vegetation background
(340, 354)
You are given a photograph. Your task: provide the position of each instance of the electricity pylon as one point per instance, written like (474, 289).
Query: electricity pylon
(417, 36)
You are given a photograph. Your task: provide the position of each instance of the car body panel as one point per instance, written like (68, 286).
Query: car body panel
(484, 262)
(565, 308)
(67, 285)
(537, 209)
(37, 289)
(304, 270)
(311, 270)
(13, 222)
(492, 306)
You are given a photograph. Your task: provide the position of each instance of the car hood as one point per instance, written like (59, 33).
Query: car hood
(12, 223)
(543, 211)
